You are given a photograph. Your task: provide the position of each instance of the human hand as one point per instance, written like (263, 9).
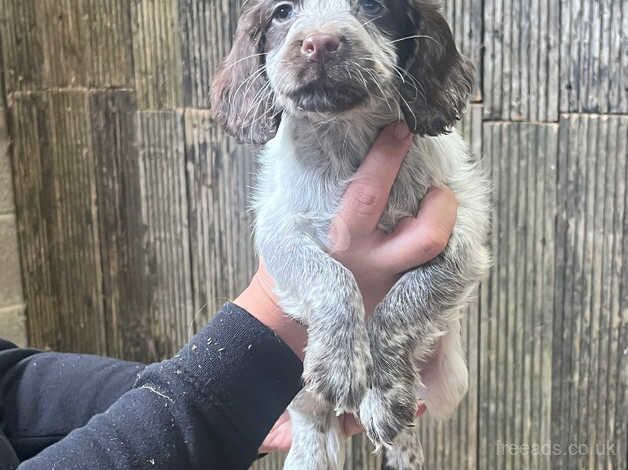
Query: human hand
(279, 438)
(375, 258)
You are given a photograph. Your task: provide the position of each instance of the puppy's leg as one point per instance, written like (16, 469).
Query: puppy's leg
(444, 382)
(410, 320)
(320, 292)
(406, 452)
(317, 440)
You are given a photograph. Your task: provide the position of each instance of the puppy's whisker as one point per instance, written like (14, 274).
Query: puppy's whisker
(249, 81)
(415, 36)
(372, 20)
(242, 59)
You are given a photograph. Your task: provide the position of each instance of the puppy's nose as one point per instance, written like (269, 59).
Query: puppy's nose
(317, 46)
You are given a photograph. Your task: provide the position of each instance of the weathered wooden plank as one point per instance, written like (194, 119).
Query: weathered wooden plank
(66, 43)
(10, 277)
(466, 24)
(66, 37)
(163, 190)
(592, 201)
(220, 175)
(110, 54)
(75, 262)
(157, 54)
(207, 30)
(617, 378)
(521, 76)
(22, 45)
(515, 338)
(492, 66)
(31, 152)
(488, 321)
(55, 198)
(126, 290)
(6, 183)
(594, 57)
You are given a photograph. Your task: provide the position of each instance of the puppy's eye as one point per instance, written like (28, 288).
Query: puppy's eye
(283, 12)
(371, 7)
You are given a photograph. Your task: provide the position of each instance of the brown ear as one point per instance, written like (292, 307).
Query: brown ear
(242, 100)
(441, 79)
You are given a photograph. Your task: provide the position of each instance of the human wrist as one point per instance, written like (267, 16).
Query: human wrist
(259, 301)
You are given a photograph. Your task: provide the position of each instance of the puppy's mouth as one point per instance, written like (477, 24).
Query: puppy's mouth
(326, 96)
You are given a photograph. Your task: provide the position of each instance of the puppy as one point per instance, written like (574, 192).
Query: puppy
(315, 80)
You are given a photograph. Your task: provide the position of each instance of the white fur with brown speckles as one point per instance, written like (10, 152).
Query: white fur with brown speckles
(411, 347)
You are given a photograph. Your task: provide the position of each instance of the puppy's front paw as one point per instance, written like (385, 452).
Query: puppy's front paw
(385, 414)
(337, 368)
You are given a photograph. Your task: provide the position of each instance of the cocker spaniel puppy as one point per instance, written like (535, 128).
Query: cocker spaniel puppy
(315, 81)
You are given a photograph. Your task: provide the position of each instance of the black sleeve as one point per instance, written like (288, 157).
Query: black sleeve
(208, 407)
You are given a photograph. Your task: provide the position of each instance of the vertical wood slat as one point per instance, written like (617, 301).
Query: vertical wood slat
(521, 76)
(515, 337)
(590, 352)
(220, 176)
(66, 43)
(76, 254)
(157, 54)
(57, 221)
(594, 56)
(126, 292)
(110, 51)
(31, 151)
(23, 47)
(546, 395)
(66, 35)
(466, 23)
(207, 30)
(164, 206)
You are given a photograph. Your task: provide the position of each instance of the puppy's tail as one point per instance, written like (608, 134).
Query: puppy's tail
(444, 376)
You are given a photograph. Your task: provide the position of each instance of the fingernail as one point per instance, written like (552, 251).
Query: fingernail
(402, 131)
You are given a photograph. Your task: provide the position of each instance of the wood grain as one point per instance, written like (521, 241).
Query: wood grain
(590, 352)
(133, 221)
(127, 292)
(516, 318)
(164, 207)
(157, 53)
(594, 56)
(521, 72)
(57, 220)
(21, 33)
(467, 26)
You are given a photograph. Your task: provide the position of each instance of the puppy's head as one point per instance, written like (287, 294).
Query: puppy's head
(332, 57)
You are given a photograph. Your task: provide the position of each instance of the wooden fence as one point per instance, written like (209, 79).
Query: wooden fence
(133, 223)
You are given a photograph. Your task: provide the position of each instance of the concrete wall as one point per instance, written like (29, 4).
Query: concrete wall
(12, 311)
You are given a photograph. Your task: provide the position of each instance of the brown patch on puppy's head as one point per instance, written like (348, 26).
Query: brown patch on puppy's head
(442, 79)
(241, 99)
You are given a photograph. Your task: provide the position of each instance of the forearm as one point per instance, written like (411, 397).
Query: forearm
(210, 405)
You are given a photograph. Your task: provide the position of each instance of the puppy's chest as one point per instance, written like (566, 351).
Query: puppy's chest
(307, 195)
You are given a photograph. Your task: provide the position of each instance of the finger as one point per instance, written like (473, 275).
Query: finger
(367, 195)
(417, 240)
(280, 436)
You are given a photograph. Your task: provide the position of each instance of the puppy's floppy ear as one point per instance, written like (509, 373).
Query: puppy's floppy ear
(242, 101)
(441, 79)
